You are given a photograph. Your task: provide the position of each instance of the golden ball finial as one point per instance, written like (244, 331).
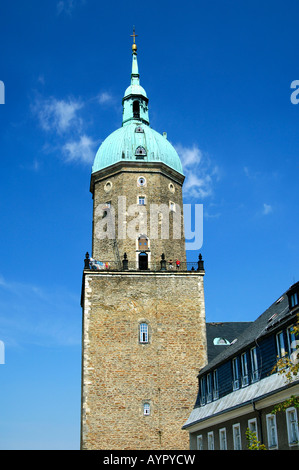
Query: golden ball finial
(134, 35)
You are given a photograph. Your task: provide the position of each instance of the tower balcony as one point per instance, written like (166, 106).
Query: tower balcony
(143, 264)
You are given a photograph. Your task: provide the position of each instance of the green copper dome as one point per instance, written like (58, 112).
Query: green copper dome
(136, 140)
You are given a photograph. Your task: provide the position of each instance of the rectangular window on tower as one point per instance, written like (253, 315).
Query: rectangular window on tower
(141, 200)
(143, 333)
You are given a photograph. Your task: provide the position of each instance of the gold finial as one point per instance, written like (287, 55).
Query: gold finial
(134, 47)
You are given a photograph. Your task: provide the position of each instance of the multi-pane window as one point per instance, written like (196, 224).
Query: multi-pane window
(292, 343)
(216, 389)
(271, 431)
(209, 388)
(236, 383)
(294, 299)
(254, 364)
(202, 391)
(199, 442)
(210, 440)
(143, 333)
(222, 439)
(237, 437)
(244, 369)
(252, 426)
(281, 351)
(141, 200)
(146, 409)
(292, 426)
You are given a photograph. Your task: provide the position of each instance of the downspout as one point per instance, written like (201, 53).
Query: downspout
(259, 414)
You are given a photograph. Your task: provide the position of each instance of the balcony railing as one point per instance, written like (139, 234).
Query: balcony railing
(126, 265)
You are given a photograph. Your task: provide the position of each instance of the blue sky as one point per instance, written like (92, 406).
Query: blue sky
(218, 77)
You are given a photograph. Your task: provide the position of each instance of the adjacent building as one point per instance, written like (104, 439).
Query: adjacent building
(238, 389)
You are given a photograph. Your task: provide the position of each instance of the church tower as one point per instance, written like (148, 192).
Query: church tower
(143, 339)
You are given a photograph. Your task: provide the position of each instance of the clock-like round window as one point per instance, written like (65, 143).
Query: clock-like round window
(141, 181)
(108, 186)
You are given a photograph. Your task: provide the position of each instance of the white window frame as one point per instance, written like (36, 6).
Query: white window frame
(292, 426)
(211, 440)
(280, 344)
(146, 409)
(202, 391)
(271, 431)
(209, 388)
(292, 343)
(140, 183)
(236, 376)
(141, 198)
(252, 426)
(237, 436)
(199, 442)
(254, 365)
(294, 299)
(215, 385)
(222, 439)
(143, 332)
(244, 370)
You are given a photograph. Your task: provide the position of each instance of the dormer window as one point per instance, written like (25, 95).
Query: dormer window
(293, 295)
(294, 299)
(140, 152)
(139, 130)
(221, 342)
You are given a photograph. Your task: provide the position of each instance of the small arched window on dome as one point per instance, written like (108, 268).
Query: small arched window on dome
(140, 152)
(136, 109)
(139, 130)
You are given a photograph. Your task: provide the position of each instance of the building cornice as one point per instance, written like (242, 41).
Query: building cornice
(133, 167)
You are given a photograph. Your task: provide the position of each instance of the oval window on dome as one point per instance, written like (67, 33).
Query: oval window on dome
(140, 152)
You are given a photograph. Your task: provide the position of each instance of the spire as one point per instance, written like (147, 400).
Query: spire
(135, 101)
(135, 73)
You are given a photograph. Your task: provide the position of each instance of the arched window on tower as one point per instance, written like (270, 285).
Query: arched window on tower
(136, 109)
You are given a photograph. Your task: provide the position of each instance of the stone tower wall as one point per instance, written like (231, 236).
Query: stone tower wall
(121, 189)
(119, 373)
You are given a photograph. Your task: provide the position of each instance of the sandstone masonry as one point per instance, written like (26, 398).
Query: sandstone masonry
(120, 374)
